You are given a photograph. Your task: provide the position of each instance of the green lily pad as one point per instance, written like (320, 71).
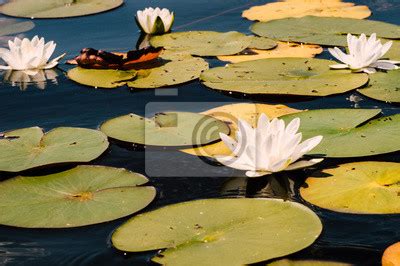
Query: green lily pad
(283, 76)
(327, 31)
(362, 187)
(394, 52)
(349, 133)
(57, 8)
(383, 87)
(208, 232)
(12, 26)
(28, 148)
(262, 43)
(165, 129)
(286, 262)
(177, 69)
(81, 196)
(101, 78)
(203, 43)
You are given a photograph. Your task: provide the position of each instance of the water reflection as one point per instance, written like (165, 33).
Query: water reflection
(37, 78)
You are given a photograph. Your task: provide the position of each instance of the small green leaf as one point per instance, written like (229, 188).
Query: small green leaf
(57, 8)
(29, 148)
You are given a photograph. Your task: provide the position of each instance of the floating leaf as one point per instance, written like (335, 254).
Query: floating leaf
(101, 78)
(203, 43)
(178, 69)
(261, 43)
(286, 76)
(391, 256)
(81, 196)
(286, 262)
(349, 128)
(12, 26)
(323, 31)
(207, 232)
(302, 8)
(230, 114)
(362, 187)
(383, 87)
(283, 49)
(394, 52)
(29, 148)
(165, 129)
(57, 8)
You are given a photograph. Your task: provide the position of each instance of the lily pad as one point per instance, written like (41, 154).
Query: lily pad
(28, 148)
(101, 78)
(203, 43)
(323, 30)
(362, 187)
(207, 232)
(302, 8)
(283, 76)
(283, 50)
(262, 43)
(81, 196)
(177, 69)
(12, 26)
(230, 114)
(286, 262)
(349, 133)
(57, 8)
(394, 52)
(383, 87)
(165, 129)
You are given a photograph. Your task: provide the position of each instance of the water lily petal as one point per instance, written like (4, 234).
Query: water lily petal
(303, 164)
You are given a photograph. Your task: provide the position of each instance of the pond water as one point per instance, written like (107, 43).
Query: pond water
(178, 177)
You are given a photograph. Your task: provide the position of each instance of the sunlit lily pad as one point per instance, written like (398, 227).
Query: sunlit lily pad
(203, 43)
(362, 187)
(283, 76)
(394, 52)
(301, 8)
(283, 49)
(101, 78)
(12, 26)
(348, 134)
(391, 256)
(207, 232)
(230, 114)
(323, 30)
(165, 129)
(261, 43)
(384, 87)
(286, 262)
(176, 70)
(28, 148)
(81, 196)
(57, 8)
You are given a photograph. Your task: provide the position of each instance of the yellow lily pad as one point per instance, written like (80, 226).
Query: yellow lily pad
(301, 8)
(391, 256)
(230, 114)
(284, 49)
(362, 187)
(394, 52)
(286, 262)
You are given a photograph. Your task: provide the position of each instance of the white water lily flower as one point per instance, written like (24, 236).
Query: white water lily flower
(270, 147)
(364, 54)
(155, 20)
(29, 54)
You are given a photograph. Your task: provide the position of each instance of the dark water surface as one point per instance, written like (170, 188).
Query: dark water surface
(349, 238)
